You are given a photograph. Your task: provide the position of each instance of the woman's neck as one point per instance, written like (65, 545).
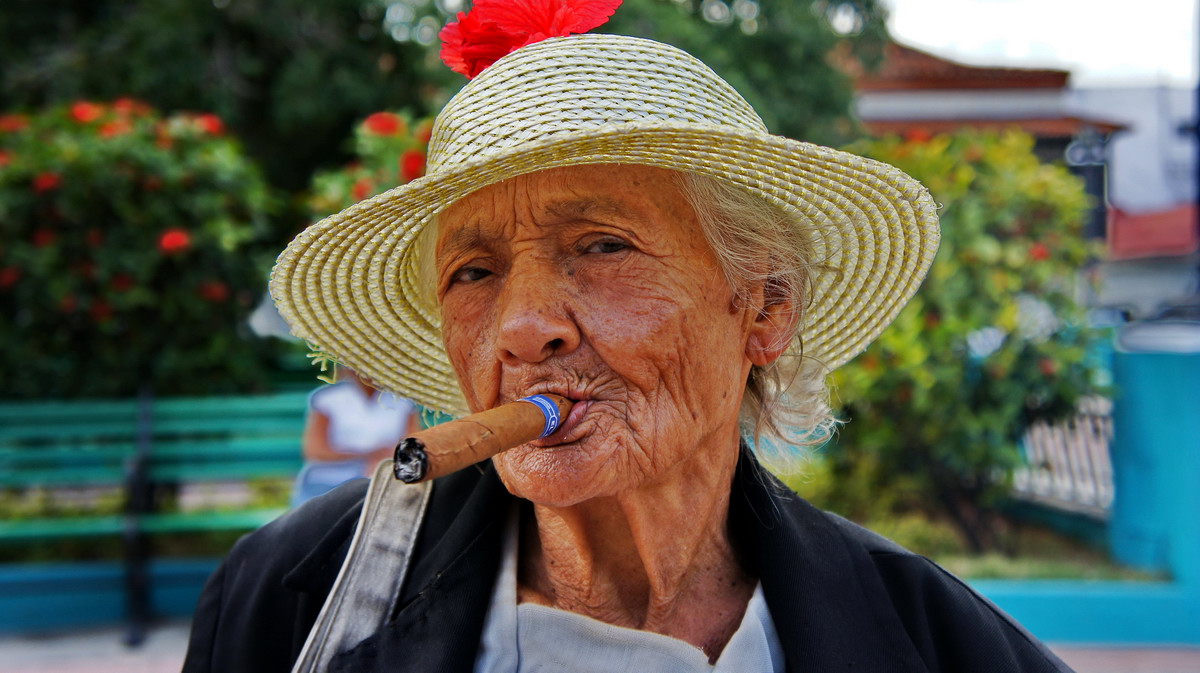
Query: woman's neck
(657, 559)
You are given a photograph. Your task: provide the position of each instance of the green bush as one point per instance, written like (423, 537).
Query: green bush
(389, 150)
(993, 341)
(128, 248)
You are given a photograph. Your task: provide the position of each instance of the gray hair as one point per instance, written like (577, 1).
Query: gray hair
(786, 403)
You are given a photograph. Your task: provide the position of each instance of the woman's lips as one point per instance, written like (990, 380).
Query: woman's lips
(563, 434)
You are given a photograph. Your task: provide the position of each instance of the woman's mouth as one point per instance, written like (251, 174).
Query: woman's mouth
(566, 431)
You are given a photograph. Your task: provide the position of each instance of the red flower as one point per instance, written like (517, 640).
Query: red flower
(116, 127)
(5, 158)
(412, 165)
(122, 282)
(130, 107)
(68, 303)
(101, 311)
(45, 182)
(918, 135)
(94, 237)
(87, 269)
(13, 123)
(210, 124)
(424, 132)
(44, 237)
(85, 112)
(1039, 251)
(152, 183)
(495, 28)
(1047, 367)
(362, 189)
(163, 140)
(213, 291)
(174, 240)
(384, 124)
(9, 276)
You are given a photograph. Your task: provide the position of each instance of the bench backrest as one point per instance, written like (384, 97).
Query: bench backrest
(191, 439)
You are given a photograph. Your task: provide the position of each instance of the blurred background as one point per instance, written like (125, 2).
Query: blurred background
(1031, 421)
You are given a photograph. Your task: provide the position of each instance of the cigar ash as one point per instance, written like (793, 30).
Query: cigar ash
(411, 461)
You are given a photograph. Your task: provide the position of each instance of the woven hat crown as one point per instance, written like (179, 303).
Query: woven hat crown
(356, 285)
(570, 84)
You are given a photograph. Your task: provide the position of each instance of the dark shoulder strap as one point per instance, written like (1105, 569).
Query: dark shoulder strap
(374, 570)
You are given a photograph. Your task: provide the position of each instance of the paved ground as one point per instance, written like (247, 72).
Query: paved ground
(101, 651)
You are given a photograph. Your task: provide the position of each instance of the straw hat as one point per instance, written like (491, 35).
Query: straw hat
(352, 284)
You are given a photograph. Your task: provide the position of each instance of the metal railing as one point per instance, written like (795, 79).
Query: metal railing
(1068, 464)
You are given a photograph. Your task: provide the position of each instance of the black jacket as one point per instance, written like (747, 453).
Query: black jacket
(842, 598)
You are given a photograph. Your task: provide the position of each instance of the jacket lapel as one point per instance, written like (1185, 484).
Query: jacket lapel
(829, 615)
(440, 612)
(828, 605)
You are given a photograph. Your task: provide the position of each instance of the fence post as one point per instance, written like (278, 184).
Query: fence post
(1156, 450)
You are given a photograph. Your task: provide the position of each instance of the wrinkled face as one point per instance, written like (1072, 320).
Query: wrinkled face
(596, 283)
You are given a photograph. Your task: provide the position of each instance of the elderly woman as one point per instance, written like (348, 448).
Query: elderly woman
(607, 220)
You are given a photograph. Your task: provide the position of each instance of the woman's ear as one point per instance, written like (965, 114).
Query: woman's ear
(774, 326)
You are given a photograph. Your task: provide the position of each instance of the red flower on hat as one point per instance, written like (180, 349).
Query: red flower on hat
(45, 182)
(1039, 251)
(412, 165)
(495, 28)
(174, 240)
(210, 124)
(13, 123)
(85, 112)
(384, 124)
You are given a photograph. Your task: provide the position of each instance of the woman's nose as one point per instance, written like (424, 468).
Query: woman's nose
(535, 320)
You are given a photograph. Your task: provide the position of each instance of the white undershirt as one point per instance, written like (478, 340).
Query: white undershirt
(530, 638)
(360, 423)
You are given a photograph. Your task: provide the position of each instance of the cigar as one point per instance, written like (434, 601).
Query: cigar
(451, 446)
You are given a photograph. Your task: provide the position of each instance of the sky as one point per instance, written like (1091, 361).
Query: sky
(1102, 42)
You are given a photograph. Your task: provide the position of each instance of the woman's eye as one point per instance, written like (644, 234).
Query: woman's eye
(607, 246)
(470, 274)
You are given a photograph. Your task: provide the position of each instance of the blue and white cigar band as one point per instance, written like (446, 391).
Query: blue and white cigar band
(549, 410)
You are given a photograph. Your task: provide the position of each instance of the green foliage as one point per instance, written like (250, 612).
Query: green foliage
(774, 52)
(127, 243)
(289, 76)
(389, 150)
(993, 341)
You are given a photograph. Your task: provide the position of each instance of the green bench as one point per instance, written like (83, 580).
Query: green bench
(146, 448)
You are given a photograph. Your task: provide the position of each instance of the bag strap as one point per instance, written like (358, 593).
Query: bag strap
(374, 570)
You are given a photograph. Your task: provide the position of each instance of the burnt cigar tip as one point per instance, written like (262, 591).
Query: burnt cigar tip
(411, 462)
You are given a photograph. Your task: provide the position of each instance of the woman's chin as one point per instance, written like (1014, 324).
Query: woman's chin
(562, 475)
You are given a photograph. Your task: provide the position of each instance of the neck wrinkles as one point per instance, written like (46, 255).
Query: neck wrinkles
(657, 558)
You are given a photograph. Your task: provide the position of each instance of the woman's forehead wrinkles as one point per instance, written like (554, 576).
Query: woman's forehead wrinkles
(475, 233)
(586, 207)
(468, 236)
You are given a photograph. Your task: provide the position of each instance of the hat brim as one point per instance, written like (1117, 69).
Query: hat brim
(350, 284)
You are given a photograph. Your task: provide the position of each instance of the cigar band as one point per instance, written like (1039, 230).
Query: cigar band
(549, 410)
